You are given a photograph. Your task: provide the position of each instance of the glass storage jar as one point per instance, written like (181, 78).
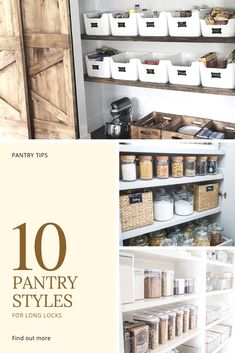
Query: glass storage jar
(171, 324)
(216, 234)
(146, 167)
(177, 167)
(201, 237)
(163, 206)
(153, 322)
(179, 322)
(184, 204)
(167, 283)
(156, 238)
(152, 284)
(141, 240)
(186, 239)
(190, 166)
(193, 317)
(162, 167)
(128, 168)
(202, 165)
(163, 329)
(212, 167)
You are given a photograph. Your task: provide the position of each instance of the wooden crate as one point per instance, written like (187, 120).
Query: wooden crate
(177, 123)
(218, 126)
(147, 128)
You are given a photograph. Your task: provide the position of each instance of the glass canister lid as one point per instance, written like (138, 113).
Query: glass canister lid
(201, 232)
(161, 194)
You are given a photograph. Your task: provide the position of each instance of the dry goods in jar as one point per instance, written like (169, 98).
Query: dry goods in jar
(156, 238)
(163, 329)
(153, 322)
(177, 167)
(171, 324)
(152, 284)
(163, 206)
(179, 322)
(146, 167)
(212, 165)
(190, 166)
(201, 165)
(128, 168)
(140, 338)
(162, 167)
(167, 283)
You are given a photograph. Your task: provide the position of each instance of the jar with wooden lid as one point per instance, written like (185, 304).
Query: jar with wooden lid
(156, 238)
(201, 237)
(146, 167)
(212, 168)
(216, 234)
(177, 167)
(128, 168)
(162, 167)
(190, 166)
(201, 165)
(163, 329)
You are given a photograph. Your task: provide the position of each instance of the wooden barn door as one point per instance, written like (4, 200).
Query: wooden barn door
(50, 68)
(14, 116)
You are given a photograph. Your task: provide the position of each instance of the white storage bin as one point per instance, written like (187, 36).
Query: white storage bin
(218, 78)
(124, 66)
(139, 284)
(97, 26)
(153, 73)
(123, 26)
(152, 26)
(96, 68)
(183, 69)
(127, 291)
(227, 30)
(186, 26)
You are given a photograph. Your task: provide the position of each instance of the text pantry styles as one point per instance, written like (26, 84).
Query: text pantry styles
(29, 287)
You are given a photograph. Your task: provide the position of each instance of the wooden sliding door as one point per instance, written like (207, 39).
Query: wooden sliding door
(14, 115)
(50, 67)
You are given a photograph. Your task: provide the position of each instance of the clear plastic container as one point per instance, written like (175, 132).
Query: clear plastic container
(186, 319)
(163, 329)
(190, 166)
(179, 284)
(128, 168)
(163, 206)
(152, 284)
(171, 324)
(184, 202)
(189, 284)
(167, 283)
(201, 166)
(212, 167)
(146, 167)
(153, 322)
(157, 238)
(162, 167)
(177, 167)
(193, 317)
(201, 237)
(179, 322)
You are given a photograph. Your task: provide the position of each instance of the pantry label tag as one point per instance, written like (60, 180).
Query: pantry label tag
(59, 247)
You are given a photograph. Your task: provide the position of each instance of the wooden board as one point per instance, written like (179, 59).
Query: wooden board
(14, 114)
(50, 68)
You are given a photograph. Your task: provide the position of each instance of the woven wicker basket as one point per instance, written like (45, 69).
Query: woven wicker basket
(206, 196)
(136, 210)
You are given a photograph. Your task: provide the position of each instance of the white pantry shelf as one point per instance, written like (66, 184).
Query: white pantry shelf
(217, 322)
(218, 263)
(150, 303)
(166, 348)
(184, 148)
(219, 292)
(173, 222)
(142, 184)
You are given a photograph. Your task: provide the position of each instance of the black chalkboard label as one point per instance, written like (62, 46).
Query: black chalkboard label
(150, 71)
(216, 30)
(182, 24)
(94, 25)
(137, 198)
(121, 69)
(182, 73)
(215, 75)
(150, 24)
(121, 24)
(210, 188)
(95, 67)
